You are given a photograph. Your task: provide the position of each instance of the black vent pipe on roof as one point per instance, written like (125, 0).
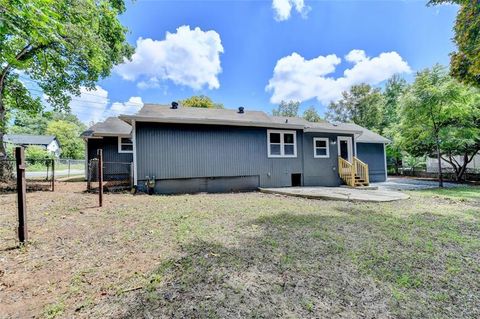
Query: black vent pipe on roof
(174, 105)
(241, 110)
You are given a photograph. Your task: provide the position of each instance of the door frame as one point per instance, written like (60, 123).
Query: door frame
(349, 141)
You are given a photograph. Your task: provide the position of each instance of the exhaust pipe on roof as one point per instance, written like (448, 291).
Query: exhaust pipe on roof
(174, 105)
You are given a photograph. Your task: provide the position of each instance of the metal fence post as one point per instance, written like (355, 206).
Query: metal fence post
(100, 177)
(21, 192)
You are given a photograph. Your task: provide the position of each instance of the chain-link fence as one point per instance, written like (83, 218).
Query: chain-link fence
(116, 175)
(65, 168)
(39, 174)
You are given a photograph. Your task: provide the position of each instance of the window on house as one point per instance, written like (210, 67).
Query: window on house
(320, 147)
(125, 145)
(282, 143)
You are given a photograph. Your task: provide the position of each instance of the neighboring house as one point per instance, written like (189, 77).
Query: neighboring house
(48, 142)
(216, 150)
(473, 166)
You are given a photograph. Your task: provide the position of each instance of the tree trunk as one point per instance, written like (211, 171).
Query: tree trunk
(3, 153)
(439, 157)
(6, 167)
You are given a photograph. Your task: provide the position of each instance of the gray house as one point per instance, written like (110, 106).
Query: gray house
(188, 150)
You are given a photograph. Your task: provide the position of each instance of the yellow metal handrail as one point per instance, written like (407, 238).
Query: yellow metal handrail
(346, 171)
(361, 170)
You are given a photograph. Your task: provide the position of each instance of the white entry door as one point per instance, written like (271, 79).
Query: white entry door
(345, 149)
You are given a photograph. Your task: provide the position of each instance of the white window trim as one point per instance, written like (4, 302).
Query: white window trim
(282, 144)
(120, 144)
(327, 143)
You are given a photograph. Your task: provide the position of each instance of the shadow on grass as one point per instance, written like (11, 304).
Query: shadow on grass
(304, 265)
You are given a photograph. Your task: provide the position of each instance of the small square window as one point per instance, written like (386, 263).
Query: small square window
(125, 145)
(282, 143)
(320, 147)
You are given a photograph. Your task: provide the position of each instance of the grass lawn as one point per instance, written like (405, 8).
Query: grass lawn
(242, 255)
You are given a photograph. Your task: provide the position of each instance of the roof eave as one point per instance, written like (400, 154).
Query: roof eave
(209, 122)
(330, 130)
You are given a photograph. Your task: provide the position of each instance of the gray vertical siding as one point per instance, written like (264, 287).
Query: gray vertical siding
(321, 171)
(109, 145)
(176, 151)
(373, 155)
(116, 165)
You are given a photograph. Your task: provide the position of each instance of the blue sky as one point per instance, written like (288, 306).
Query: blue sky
(232, 56)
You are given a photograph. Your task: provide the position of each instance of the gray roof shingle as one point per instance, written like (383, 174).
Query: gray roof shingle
(165, 114)
(26, 139)
(112, 126)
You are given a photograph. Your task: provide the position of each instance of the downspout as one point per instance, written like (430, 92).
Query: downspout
(85, 140)
(134, 141)
(385, 159)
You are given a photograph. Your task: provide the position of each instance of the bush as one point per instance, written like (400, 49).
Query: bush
(37, 155)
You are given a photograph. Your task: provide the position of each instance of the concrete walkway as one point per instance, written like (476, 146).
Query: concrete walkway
(408, 183)
(339, 193)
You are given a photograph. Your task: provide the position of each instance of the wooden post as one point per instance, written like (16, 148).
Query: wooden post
(100, 177)
(21, 192)
(53, 175)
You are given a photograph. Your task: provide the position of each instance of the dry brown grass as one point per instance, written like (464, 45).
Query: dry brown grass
(240, 255)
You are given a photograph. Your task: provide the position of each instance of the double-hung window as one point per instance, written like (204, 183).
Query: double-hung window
(125, 145)
(320, 147)
(282, 143)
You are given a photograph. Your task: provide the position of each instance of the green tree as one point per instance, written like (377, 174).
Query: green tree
(394, 89)
(440, 116)
(60, 45)
(37, 155)
(201, 101)
(465, 63)
(362, 105)
(311, 115)
(26, 122)
(285, 108)
(68, 134)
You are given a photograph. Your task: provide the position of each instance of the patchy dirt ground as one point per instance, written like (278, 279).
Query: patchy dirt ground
(240, 255)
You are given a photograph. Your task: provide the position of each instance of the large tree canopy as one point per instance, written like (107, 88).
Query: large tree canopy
(201, 101)
(465, 63)
(285, 108)
(362, 105)
(312, 115)
(61, 45)
(440, 117)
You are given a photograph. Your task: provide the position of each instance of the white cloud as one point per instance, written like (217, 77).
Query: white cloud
(93, 105)
(295, 78)
(283, 8)
(133, 105)
(90, 105)
(189, 57)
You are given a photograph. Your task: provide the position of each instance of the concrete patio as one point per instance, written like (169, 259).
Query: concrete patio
(339, 193)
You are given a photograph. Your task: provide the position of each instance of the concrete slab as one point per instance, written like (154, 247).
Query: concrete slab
(339, 193)
(408, 183)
